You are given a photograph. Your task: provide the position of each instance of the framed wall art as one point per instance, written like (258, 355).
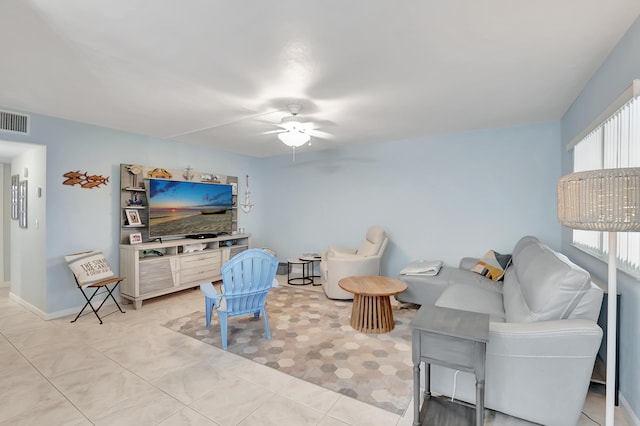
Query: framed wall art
(15, 181)
(22, 204)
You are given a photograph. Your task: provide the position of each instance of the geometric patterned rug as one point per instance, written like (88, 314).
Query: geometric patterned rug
(311, 339)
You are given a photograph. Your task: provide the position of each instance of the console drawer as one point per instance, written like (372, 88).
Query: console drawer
(200, 260)
(200, 267)
(156, 274)
(199, 275)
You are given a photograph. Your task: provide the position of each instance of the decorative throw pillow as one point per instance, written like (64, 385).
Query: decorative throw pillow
(89, 267)
(492, 265)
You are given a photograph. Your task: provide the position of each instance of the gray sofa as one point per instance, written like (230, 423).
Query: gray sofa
(543, 333)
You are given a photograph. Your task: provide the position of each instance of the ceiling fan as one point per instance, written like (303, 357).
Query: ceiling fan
(294, 132)
(291, 128)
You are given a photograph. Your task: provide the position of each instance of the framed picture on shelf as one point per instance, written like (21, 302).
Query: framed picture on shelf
(135, 238)
(133, 217)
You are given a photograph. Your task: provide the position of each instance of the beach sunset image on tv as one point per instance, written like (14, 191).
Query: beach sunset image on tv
(181, 208)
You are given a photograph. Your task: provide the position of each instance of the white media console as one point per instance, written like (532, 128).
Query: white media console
(158, 268)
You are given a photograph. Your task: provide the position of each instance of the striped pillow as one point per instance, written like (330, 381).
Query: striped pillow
(89, 267)
(492, 265)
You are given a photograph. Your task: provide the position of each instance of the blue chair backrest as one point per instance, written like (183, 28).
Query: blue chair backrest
(246, 280)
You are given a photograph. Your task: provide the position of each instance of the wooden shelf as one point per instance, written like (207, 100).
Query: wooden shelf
(133, 190)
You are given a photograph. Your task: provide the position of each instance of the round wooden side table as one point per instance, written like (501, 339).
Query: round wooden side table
(371, 312)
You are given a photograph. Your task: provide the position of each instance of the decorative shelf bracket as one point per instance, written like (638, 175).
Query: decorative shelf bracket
(247, 206)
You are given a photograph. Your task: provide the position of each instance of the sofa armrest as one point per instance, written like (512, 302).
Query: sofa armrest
(468, 262)
(561, 338)
(537, 371)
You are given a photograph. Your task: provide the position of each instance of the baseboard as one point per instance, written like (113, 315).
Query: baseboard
(632, 418)
(47, 316)
(27, 305)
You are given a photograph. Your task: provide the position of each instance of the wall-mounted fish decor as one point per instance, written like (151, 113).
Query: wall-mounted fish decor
(84, 180)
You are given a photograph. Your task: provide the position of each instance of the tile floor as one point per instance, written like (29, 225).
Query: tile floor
(133, 371)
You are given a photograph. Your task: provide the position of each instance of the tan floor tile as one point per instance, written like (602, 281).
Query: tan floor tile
(356, 413)
(231, 401)
(91, 390)
(191, 382)
(308, 394)
(149, 407)
(64, 357)
(279, 411)
(188, 417)
(330, 421)
(50, 413)
(24, 390)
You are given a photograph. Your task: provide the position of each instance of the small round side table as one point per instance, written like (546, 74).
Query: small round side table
(304, 278)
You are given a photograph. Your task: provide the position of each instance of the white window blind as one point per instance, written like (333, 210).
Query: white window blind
(612, 143)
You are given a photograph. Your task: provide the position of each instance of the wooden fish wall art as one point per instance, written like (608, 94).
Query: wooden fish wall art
(84, 180)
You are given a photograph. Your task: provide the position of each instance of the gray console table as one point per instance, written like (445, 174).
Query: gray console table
(451, 338)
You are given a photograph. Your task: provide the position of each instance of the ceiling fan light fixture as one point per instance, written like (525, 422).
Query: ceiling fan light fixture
(290, 122)
(294, 138)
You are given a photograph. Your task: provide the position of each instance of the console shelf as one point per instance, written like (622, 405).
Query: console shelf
(133, 195)
(158, 268)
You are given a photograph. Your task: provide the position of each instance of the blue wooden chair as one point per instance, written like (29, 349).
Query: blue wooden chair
(246, 280)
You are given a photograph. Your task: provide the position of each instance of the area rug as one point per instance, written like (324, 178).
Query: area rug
(311, 339)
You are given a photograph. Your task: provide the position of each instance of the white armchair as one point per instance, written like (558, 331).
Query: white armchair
(340, 263)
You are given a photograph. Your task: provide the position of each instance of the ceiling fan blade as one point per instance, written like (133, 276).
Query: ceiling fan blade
(231, 122)
(273, 132)
(320, 134)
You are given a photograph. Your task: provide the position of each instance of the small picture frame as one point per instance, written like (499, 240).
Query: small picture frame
(133, 217)
(135, 238)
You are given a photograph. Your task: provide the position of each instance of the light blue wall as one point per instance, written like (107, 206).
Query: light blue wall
(438, 198)
(82, 219)
(613, 77)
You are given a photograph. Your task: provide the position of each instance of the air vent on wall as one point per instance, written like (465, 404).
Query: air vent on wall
(14, 122)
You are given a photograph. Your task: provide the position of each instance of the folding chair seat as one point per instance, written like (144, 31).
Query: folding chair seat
(91, 271)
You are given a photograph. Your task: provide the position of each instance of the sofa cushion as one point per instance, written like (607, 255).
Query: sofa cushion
(541, 284)
(492, 265)
(473, 299)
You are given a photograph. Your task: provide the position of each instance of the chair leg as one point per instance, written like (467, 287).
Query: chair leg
(111, 295)
(208, 306)
(223, 329)
(88, 299)
(266, 323)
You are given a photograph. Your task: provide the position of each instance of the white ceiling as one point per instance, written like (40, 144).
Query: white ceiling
(220, 73)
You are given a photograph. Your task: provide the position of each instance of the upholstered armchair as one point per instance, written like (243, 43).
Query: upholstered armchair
(339, 263)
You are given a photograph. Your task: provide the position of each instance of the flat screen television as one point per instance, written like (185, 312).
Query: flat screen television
(179, 208)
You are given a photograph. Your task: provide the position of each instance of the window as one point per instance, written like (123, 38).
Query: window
(613, 141)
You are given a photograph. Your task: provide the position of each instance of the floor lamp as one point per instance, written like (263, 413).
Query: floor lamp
(603, 200)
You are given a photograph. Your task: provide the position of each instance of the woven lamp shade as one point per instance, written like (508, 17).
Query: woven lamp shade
(600, 200)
